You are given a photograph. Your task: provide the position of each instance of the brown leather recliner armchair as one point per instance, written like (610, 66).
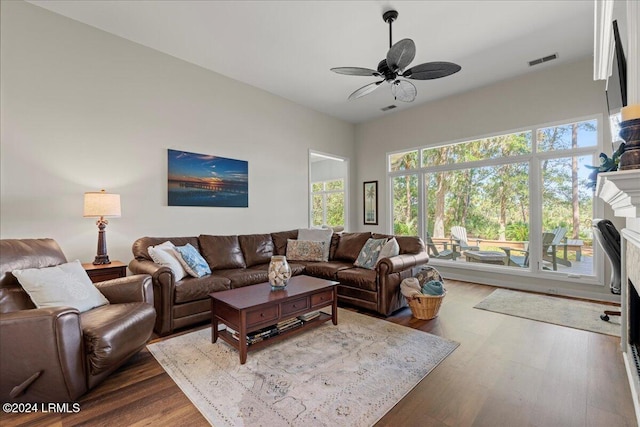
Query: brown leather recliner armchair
(58, 354)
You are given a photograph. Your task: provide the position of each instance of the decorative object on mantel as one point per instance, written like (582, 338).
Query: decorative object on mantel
(279, 272)
(101, 204)
(606, 165)
(630, 132)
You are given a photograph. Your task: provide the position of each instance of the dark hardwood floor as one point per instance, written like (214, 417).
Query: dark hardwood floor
(507, 371)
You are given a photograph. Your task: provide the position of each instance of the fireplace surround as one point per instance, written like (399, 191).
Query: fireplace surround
(630, 321)
(621, 190)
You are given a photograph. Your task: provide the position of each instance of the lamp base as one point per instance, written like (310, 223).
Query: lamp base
(101, 259)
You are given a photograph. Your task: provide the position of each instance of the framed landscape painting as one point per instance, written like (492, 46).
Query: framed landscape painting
(370, 203)
(204, 180)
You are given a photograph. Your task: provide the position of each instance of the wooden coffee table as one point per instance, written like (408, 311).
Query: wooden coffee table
(250, 308)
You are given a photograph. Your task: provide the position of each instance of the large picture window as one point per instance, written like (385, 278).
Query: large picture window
(516, 200)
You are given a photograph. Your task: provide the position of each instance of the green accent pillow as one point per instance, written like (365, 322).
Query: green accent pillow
(369, 253)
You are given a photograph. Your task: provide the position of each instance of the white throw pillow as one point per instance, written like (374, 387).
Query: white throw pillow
(391, 248)
(64, 285)
(165, 255)
(317, 235)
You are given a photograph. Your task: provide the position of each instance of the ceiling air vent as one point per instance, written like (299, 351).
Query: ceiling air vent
(387, 108)
(543, 59)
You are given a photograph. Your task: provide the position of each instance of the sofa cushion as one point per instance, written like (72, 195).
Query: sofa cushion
(139, 247)
(221, 252)
(407, 244)
(193, 289)
(305, 250)
(111, 333)
(368, 255)
(256, 248)
(240, 277)
(318, 235)
(350, 245)
(64, 285)
(360, 278)
(296, 268)
(326, 270)
(280, 241)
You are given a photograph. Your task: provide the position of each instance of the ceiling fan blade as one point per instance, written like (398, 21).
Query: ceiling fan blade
(403, 90)
(356, 71)
(401, 54)
(431, 70)
(365, 90)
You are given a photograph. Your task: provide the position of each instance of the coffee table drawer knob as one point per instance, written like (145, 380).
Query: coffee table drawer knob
(294, 306)
(321, 298)
(261, 316)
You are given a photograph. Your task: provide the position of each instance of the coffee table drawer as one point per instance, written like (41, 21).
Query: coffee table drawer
(294, 306)
(321, 298)
(263, 315)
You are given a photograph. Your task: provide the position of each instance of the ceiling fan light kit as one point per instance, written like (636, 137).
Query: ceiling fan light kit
(394, 66)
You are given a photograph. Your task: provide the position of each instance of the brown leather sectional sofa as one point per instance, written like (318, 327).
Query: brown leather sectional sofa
(243, 260)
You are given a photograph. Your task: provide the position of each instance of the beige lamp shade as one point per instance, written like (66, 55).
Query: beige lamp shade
(98, 204)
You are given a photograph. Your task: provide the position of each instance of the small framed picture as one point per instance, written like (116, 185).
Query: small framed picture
(370, 194)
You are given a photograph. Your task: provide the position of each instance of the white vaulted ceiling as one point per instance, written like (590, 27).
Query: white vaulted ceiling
(288, 47)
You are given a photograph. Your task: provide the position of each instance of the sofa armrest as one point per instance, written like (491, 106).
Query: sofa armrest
(402, 262)
(163, 291)
(42, 357)
(137, 288)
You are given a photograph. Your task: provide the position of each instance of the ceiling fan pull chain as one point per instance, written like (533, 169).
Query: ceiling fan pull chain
(390, 39)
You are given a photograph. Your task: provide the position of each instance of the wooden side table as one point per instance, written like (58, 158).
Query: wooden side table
(100, 273)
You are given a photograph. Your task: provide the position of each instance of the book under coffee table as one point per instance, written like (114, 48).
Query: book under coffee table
(255, 307)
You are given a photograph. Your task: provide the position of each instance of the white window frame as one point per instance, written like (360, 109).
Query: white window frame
(535, 195)
(324, 192)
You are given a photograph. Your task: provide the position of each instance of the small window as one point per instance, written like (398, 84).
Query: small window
(569, 136)
(482, 149)
(403, 161)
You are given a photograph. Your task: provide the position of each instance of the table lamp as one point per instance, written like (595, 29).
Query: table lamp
(101, 204)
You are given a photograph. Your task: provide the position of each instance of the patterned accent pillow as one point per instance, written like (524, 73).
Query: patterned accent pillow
(192, 261)
(369, 253)
(391, 248)
(305, 250)
(317, 235)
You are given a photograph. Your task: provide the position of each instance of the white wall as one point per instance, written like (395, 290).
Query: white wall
(549, 95)
(84, 110)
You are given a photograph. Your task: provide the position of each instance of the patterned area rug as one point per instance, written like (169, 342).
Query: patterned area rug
(349, 374)
(559, 311)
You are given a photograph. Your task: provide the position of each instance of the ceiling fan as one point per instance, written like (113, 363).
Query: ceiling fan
(393, 67)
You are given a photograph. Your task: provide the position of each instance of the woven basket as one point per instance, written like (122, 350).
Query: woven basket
(425, 307)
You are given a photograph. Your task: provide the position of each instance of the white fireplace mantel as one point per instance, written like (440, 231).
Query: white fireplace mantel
(621, 190)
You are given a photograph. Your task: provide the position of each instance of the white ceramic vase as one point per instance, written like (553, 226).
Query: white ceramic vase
(279, 272)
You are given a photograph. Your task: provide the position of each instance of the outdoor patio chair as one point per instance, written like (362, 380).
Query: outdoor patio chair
(548, 249)
(443, 254)
(459, 236)
(559, 240)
